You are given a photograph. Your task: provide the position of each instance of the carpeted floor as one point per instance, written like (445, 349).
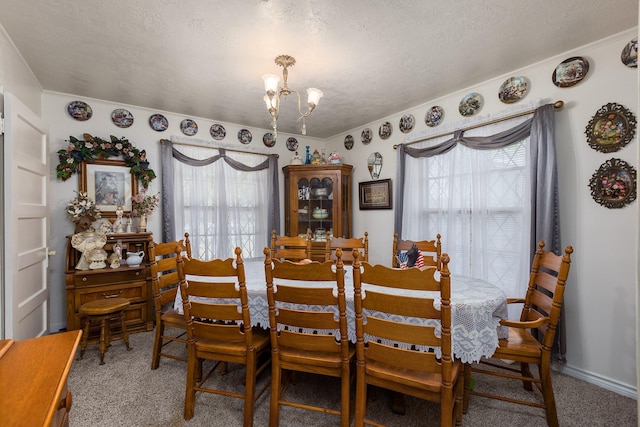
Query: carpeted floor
(126, 392)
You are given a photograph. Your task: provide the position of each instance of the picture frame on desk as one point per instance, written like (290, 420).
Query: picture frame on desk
(375, 194)
(110, 183)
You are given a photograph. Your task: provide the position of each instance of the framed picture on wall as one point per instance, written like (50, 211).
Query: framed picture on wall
(110, 183)
(375, 194)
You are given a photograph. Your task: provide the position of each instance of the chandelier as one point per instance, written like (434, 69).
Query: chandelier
(274, 93)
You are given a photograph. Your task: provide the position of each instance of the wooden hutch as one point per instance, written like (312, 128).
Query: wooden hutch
(318, 197)
(133, 283)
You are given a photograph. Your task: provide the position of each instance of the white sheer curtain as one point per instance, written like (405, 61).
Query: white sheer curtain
(221, 207)
(479, 201)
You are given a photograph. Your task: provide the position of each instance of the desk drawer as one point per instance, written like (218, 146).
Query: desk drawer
(135, 292)
(107, 276)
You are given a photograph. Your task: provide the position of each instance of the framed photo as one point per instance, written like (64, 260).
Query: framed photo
(611, 128)
(375, 194)
(110, 183)
(614, 184)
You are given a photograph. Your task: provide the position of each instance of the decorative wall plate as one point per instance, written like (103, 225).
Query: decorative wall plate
(158, 122)
(570, 71)
(611, 128)
(614, 184)
(434, 116)
(79, 110)
(269, 139)
(470, 104)
(121, 118)
(407, 122)
(366, 136)
(385, 130)
(244, 136)
(348, 142)
(292, 144)
(217, 132)
(189, 127)
(629, 55)
(513, 90)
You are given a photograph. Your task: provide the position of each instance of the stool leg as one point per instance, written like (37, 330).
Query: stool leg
(125, 334)
(103, 333)
(85, 337)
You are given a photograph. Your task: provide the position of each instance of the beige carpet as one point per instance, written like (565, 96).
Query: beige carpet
(126, 392)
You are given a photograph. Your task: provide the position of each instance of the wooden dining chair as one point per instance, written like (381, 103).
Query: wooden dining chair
(308, 326)
(165, 285)
(292, 248)
(403, 337)
(540, 313)
(218, 321)
(431, 250)
(348, 245)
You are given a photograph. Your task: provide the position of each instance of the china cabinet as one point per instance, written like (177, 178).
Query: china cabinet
(318, 197)
(132, 282)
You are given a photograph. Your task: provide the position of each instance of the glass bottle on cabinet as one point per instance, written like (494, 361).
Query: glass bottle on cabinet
(318, 198)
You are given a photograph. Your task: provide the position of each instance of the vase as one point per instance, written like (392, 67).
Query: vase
(84, 223)
(142, 224)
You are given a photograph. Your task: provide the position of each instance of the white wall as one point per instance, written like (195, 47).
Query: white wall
(600, 299)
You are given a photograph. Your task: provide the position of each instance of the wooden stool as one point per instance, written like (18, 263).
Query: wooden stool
(103, 310)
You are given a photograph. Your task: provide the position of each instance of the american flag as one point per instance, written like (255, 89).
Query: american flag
(420, 261)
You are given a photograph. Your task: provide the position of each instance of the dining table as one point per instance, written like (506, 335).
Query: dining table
(477, 306)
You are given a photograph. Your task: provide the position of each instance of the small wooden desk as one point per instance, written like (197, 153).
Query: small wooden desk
(33, 380)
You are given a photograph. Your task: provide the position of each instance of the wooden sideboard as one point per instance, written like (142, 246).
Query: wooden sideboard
(133, 283)
(33, 380)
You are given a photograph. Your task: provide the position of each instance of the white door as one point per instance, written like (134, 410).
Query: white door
(26, 222)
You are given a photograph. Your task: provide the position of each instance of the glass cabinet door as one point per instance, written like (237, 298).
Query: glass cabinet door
(315, 207)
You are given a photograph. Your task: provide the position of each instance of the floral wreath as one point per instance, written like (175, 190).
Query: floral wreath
(91, 147)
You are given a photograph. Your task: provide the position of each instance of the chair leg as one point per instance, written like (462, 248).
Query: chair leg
(459, 401)
(467, 388)
(345, 413)
(274, 406)
(361, 397)
(547, 394)
(103, 338)
(85, 337)
(125, 333)
(190, 394)
(157, 345)
(250, 389)
(526, 372)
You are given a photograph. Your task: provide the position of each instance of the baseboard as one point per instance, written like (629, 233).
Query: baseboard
(600, 381)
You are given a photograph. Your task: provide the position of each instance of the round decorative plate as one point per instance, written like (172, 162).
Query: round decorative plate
(470, 104)
(244, 136)
(217, 132)
(348, 142)
(614, 184)
(513, 90)
(611, 128)
(366, 136)
(121, 118)
(158, 122)
(385, 130)
(629, 55)
(570, 71)
(79, 110)
(189, 127)
(269, 139)
(407, 122)
(292, 144)
(434, 116)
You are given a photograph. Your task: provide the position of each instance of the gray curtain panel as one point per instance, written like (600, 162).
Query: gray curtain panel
(169, 152)
(545, 219)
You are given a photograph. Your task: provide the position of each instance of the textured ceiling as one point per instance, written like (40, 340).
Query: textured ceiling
(205, 58)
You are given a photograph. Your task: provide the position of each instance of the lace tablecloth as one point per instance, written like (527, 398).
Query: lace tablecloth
(476, 309)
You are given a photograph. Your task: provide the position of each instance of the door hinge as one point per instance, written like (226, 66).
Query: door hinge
(1, 124)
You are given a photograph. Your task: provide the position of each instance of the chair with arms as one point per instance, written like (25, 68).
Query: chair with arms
(216, 311)
(165, 285)
(347, 245)
(430, 249)
(308, 325)
(540, 312)
(294, 248)
(403, 337)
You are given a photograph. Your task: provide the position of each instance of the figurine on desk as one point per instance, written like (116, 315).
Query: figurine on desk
(118, 225)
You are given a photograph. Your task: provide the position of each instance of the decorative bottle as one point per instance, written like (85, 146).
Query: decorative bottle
(323, 157)
(307, 159)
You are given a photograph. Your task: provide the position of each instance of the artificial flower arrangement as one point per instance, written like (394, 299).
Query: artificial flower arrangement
(82, 206)
(143, 204)
(91, 148)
